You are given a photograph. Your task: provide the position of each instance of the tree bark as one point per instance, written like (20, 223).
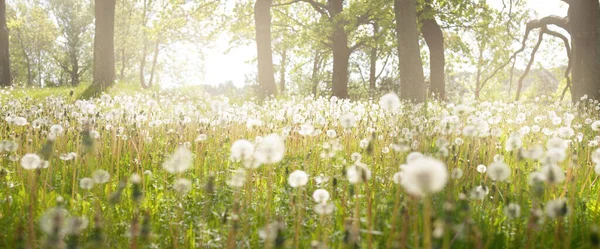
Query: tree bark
(341, 52)
(266, 77)
(412, 82)
(154, 61)
(315, 72)
(584, 42)
(5, 78)
(437, 61)
(373, 62)
(74, 69)
(282, 70)
(104, 47)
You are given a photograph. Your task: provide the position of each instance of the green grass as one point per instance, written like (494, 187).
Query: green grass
(215, 215)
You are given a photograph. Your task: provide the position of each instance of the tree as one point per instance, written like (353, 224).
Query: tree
(5, 79)
(104, 49)
(412, 82)
(266, 77)
(583, 50)
(432, 33)
(74, 19)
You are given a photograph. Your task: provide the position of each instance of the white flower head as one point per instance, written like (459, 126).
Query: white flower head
(182, 186)
(31, 161)
(358, 173)
(238, 179)
(179, 161)
(270, 150)
(242, 151)
(321, 195)
(424, 176)
(512, 211)
(557, 208)
(498, 171)
(390, 101)
(100, 176)
(347, 120)
(481, 168)
(298, 178)
(86, 183)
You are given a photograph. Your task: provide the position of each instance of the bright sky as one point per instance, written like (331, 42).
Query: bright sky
(219, 66)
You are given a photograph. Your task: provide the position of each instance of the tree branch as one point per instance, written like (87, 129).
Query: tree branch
(319, 7)
(537, 46)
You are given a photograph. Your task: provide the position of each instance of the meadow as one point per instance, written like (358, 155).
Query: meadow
(167, 169)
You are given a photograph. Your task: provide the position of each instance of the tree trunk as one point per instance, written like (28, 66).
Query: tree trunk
(437, 61)
(282, 70)
(373, 62)
(412, 82)
(315, 73)
(266, 77)
(584, 42)
(144, 46)
(104, 47)
(74, 69)
(154, 61)
(5, 79)
(341, 52)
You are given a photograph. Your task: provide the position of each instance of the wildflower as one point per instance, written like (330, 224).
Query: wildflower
(321, 195)
(347, 120)
(238, 179)
(413, 156)
(306, 130)
(498, 171)
(481, 168)
(242, 151)
(557, 208)
(358, 173)
(389, 101)
(270, 149)
(298, 178)
(53, 221)
(457, 173)
(86, 183)
(512, 211)
(68, 156)
(100, 176)
(57, 130)
(31, 161)
(514, 142)
(182, 186)
(331, 133)
(74, 226)
(553, 173)
(424, 176)
(596, 125)
(201, 138)
(536, 178)
(479, 192)
(324, 208)
(397, 178)
(272, 232)
(179, 162)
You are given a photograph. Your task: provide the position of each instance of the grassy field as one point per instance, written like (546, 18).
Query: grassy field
(188, 170)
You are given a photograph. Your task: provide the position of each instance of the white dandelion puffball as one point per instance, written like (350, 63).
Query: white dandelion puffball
(54, 218)
(557, 208)
(481, 168)
(182, 186)
(180, 161)
(321, 195)
(498, 171)
(358, 173)
(100, 176)
(86, 183)
(413, 156)
(241, 151)
(57, 130)
(31, 161)
(298, 178)
(553, 173)
(424, 176)
(347, 120)
(512, 211)
(238, 179)
(270, 149)
(389, 101)
(324, 208)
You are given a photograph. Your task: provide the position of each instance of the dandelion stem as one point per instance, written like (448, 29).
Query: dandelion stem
(427, 223)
